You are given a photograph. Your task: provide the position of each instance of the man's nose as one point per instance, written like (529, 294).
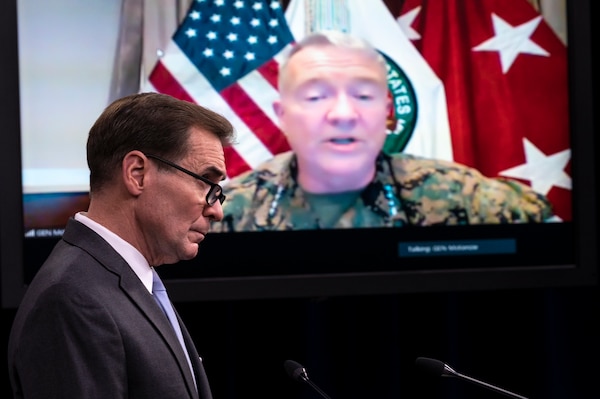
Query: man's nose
(214, 212)
(343, 108)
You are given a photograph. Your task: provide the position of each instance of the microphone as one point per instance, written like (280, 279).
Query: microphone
(298, 373)
(439, 368)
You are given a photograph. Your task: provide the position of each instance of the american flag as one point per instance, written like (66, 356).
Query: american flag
(224, 56)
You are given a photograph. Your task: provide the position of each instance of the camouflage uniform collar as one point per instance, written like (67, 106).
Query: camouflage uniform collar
(379, 196)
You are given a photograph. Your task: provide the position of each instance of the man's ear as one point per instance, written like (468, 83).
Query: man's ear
(388, 104)
(134, 169)
(277, 108)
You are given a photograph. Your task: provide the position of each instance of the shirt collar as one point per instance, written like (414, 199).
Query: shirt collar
(132, 256)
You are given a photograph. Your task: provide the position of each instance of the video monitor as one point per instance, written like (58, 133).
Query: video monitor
(504, 90)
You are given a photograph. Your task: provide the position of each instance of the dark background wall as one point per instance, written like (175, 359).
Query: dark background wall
(540, 343)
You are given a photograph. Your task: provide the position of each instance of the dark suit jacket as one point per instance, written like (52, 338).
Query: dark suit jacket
(88, 328)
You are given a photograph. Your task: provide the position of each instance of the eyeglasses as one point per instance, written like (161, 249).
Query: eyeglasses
(215, 193)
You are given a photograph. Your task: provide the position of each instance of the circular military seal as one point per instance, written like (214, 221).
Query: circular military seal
(403, 115)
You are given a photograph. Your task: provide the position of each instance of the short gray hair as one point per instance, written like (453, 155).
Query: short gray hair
(334, 38)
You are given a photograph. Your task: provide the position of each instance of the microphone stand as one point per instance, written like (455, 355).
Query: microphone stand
(297, 372)
(314, 386)
(440, 368)
(486, 385)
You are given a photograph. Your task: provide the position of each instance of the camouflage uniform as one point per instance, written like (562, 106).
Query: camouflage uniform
(407, 190)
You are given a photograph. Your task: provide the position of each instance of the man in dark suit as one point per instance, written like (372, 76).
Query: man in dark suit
(89, 325)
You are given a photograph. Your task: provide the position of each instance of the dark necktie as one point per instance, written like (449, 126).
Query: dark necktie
(160, 294)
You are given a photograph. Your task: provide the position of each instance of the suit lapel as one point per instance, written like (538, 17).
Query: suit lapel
(80, 235)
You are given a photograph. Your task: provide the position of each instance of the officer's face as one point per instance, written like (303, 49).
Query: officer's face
(333, 110)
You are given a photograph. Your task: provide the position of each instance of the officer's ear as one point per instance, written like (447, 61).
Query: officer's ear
(278, 108)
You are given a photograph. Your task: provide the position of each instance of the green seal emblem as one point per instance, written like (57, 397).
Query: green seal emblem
(403, 116)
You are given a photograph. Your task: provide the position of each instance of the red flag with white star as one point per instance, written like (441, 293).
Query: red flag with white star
(505, 74)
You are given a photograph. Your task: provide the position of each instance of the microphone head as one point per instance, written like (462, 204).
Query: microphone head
(295, 370)
(431, 366)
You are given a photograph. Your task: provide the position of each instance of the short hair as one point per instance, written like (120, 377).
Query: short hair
(334, 38)
(150, 122)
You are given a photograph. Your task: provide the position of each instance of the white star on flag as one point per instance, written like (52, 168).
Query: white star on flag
(543, 171)
(510, 41)
(406, 20)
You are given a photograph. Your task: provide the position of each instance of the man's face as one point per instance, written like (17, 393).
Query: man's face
(333, 110)
(174, 211)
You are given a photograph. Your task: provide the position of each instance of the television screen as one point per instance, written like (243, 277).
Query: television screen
(504, 89)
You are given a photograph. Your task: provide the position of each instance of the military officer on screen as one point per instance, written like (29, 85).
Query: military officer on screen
(333, 109)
